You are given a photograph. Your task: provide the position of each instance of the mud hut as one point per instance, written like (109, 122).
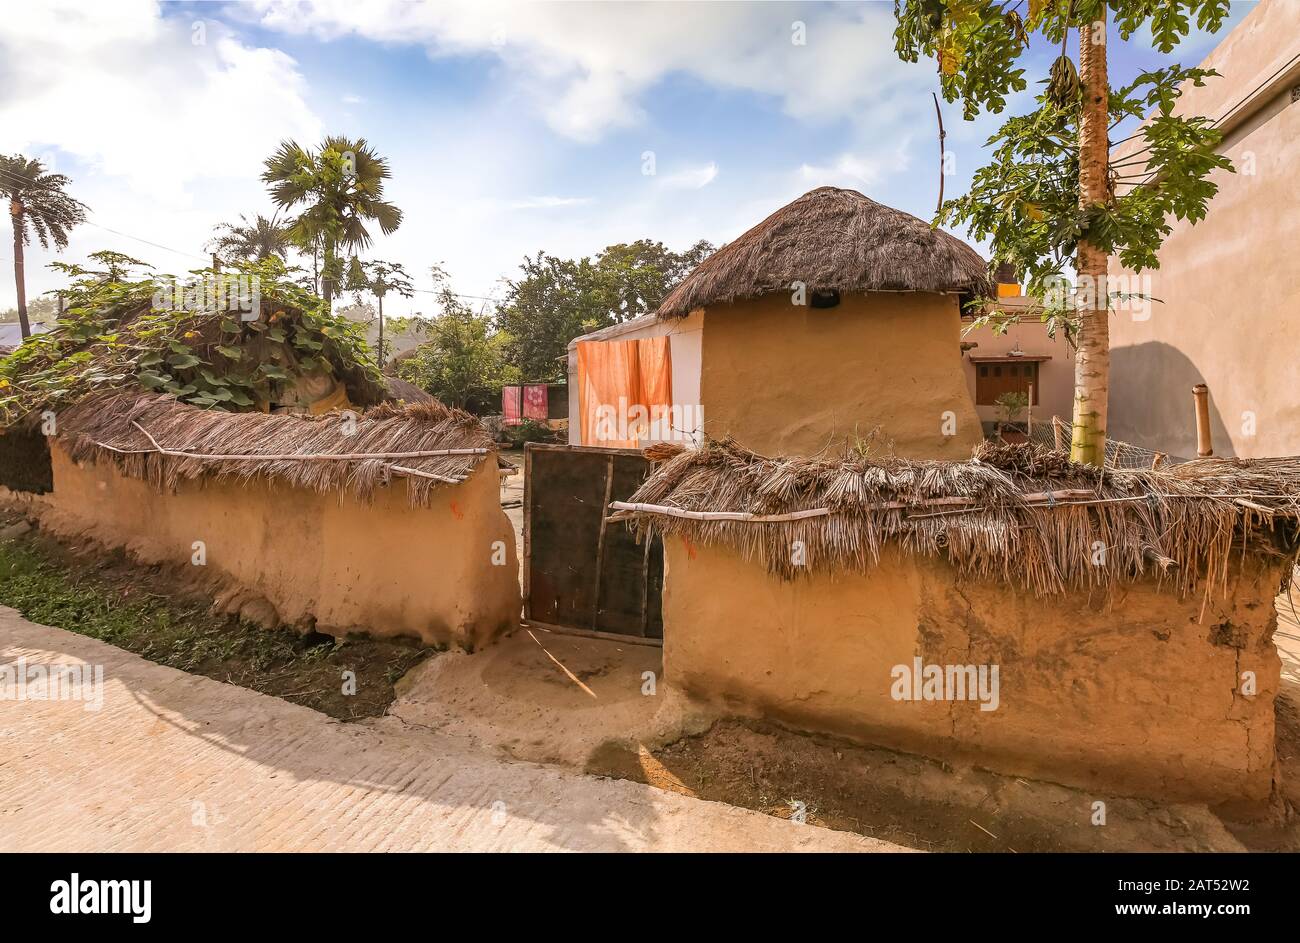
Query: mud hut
(1016, 611)
(835, 320)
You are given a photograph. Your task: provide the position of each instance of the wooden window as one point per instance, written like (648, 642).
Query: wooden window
(991, 381)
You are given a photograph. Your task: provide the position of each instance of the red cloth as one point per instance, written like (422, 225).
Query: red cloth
(511, 405)
(535, 402)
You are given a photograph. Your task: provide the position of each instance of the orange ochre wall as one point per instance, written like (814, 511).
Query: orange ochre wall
(1132, 694)
(788, 379)
(382, 567)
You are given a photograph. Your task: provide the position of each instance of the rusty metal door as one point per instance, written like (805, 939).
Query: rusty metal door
(580, 571)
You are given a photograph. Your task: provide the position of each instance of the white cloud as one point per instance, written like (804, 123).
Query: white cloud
(352, 100)
(162, 122)
(155, 101)
(588, 67)
(549, 202)
(859, 170)
(693, 178)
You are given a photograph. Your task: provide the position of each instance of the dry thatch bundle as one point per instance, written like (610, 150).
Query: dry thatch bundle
(1021, 514)
(157, 439)
(832, 239)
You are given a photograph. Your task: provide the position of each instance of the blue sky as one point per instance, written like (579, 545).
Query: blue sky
(511, 128)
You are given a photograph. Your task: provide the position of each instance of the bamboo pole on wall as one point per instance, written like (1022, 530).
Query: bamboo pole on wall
(1201, 397)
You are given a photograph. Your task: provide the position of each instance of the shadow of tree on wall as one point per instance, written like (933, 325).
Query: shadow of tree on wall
(1151, 401)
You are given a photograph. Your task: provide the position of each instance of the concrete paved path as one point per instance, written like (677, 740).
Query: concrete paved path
(177, 762)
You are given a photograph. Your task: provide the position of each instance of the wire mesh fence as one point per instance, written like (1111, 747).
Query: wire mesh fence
(1056, 433)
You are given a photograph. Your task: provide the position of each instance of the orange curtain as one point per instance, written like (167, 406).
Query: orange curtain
(614, 377)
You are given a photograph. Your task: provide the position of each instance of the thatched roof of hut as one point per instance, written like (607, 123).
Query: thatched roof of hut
(837, 239)
(1020, 514)
(157, 439)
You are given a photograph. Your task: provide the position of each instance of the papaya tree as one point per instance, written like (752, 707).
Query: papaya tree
(1053, 198)
(379, 278)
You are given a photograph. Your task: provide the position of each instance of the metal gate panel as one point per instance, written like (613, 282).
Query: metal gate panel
(579, 570)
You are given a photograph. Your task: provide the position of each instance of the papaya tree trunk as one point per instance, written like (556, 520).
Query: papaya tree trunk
(1092, 362)
(20, 278)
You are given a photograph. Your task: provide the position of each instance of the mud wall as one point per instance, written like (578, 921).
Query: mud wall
(789, 379)
(382, 567)
(1132, 694)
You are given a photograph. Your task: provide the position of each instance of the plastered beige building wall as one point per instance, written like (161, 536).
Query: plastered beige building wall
(1055, 376)
(1231, 283)
(384, 567)
(1131, 694)
(789, 379)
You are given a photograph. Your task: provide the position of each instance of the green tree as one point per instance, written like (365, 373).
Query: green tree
(463, 363)
(37, 204)
(113, 267)
(251, 240)
(1052, 198)
(40, 310)
(340, 187)
(555, 300)
(379, 278)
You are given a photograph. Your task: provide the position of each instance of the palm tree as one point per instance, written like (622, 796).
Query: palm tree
(37, 204)
(256, 240)
(340, 186)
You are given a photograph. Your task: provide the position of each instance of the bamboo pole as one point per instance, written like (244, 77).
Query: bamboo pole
(748, 517)
(291, 456)
(415, 472)
(1074, 497)
(600, 542)
(1201, 397)
(285, 456)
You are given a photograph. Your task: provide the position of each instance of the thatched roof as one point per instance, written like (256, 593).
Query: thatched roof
(156, 439)
(832, 239)
(406, 391)
(1021, 514)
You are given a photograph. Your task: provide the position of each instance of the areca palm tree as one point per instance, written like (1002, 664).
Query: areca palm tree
(253, 240)
(37, 204)
(340, 187)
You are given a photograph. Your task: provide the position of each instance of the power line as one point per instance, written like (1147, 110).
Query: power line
(147, 242)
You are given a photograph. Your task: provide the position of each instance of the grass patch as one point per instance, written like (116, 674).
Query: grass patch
(134, 608)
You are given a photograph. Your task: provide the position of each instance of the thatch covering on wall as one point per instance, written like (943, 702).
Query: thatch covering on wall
(1020, 514)
(157, 439)
(827, 239)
